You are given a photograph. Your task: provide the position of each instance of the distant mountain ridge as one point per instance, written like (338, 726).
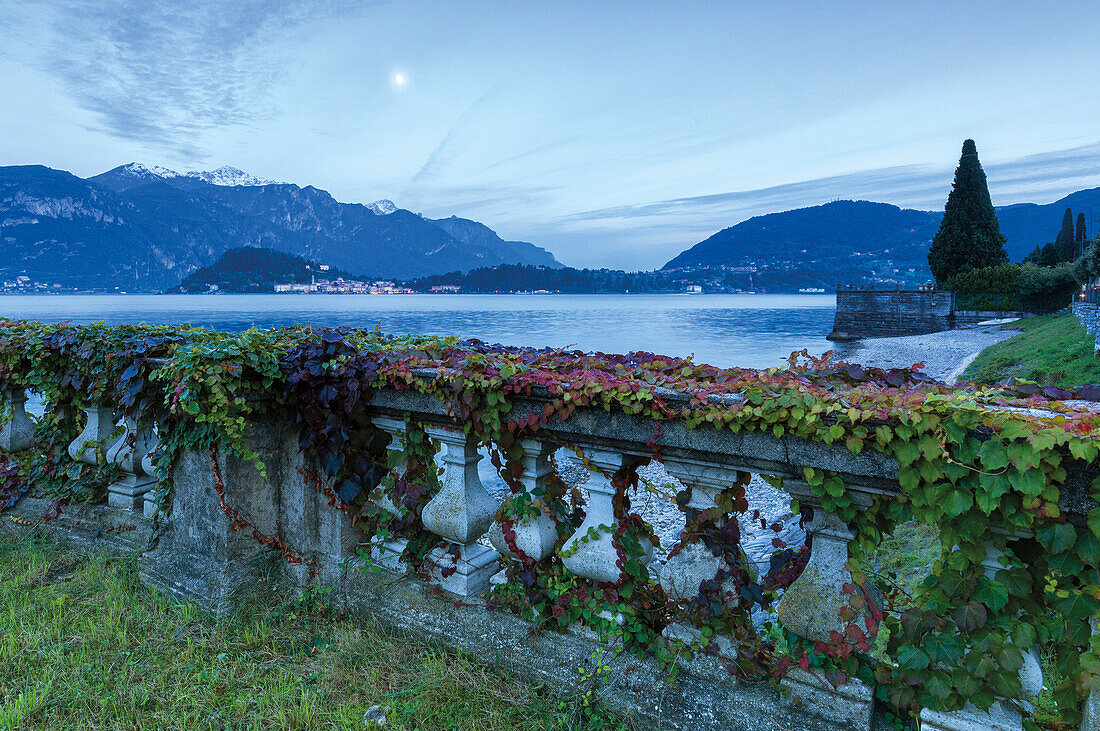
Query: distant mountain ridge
(864, 241)
(472, 232)
(145, 228)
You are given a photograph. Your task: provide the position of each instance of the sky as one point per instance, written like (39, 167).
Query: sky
(615, 134)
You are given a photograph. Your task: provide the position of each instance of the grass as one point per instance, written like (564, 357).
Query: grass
(85, 645)
(1053, 349)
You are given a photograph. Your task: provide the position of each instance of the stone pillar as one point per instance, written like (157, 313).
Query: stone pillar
(1003, 715)
(87, 445)
(387, 553)
(17, 432)
(594, 556)
(810, 608)
(129, 454)
(460, 513)
(534, 537)
(695, 563)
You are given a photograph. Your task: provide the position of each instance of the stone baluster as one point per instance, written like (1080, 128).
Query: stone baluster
(596, 557)
(460, 513)
(387, 553)
(695, 563)
(17, 432)
(1004, 714)
(533, 537)
(810, 608)
(149, 467)
(87, 445)
(128, 453)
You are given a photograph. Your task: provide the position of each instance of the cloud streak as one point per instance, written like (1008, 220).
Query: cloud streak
(920, 186)
(162, 72)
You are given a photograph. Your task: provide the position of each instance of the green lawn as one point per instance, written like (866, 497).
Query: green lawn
(85, 645)
(1053, 349)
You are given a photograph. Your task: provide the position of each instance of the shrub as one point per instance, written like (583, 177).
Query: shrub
(988, 288)
(1044, 290)
(1001, 279)
(1088, 266)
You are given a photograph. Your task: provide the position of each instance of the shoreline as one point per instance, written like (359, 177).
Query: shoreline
(945, 354)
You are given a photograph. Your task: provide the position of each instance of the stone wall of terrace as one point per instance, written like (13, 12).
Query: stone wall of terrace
(871, 313)
(1088, 314)
(454, 564)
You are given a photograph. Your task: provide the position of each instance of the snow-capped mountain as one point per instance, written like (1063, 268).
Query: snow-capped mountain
(227, 175)
(144, 228)
(383, 207)
(134, 174)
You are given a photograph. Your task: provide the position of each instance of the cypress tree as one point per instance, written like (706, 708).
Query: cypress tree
(1081, 230)
(969, 235)
(1063, 244)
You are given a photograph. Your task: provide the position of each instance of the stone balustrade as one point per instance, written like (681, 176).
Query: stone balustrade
(201, 555)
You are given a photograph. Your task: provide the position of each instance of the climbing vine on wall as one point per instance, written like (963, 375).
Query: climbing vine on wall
(990, 467)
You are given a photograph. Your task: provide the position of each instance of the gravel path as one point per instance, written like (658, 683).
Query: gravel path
(945, 354)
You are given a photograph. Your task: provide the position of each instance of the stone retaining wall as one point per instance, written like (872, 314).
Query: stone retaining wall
(1088, 314)
(869, 313)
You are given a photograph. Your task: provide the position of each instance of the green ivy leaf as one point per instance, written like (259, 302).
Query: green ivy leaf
(939, 687)
(913, 658)
(956, 502)
(992, 594)
(1058, 537)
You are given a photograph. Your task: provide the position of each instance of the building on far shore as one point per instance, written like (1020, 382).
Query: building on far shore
(341, 286)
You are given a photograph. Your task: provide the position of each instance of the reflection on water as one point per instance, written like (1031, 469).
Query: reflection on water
(745, 330)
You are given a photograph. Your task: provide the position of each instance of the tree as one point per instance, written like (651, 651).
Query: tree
(1048, 256)
(1081, 230)
(969, 235)
(1044, 290)
(1064, 243)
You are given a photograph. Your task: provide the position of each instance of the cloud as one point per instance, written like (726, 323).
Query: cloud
(161, 72)
(915, 186)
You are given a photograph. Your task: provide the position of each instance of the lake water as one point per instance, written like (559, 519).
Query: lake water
(755, 331)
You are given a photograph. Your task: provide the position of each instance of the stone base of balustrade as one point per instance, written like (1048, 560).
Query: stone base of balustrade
(129, 492)
(1001, 716)
(715, 658)
(473, 568)
(91, 528)
(149, 506)
(387, 554)
(636, 687)
(589, 633)
(849, 706)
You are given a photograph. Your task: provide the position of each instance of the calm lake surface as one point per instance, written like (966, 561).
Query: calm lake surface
(755, 331)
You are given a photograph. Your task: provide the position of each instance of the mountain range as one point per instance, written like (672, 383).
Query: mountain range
(144, 228)
(863, 241)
